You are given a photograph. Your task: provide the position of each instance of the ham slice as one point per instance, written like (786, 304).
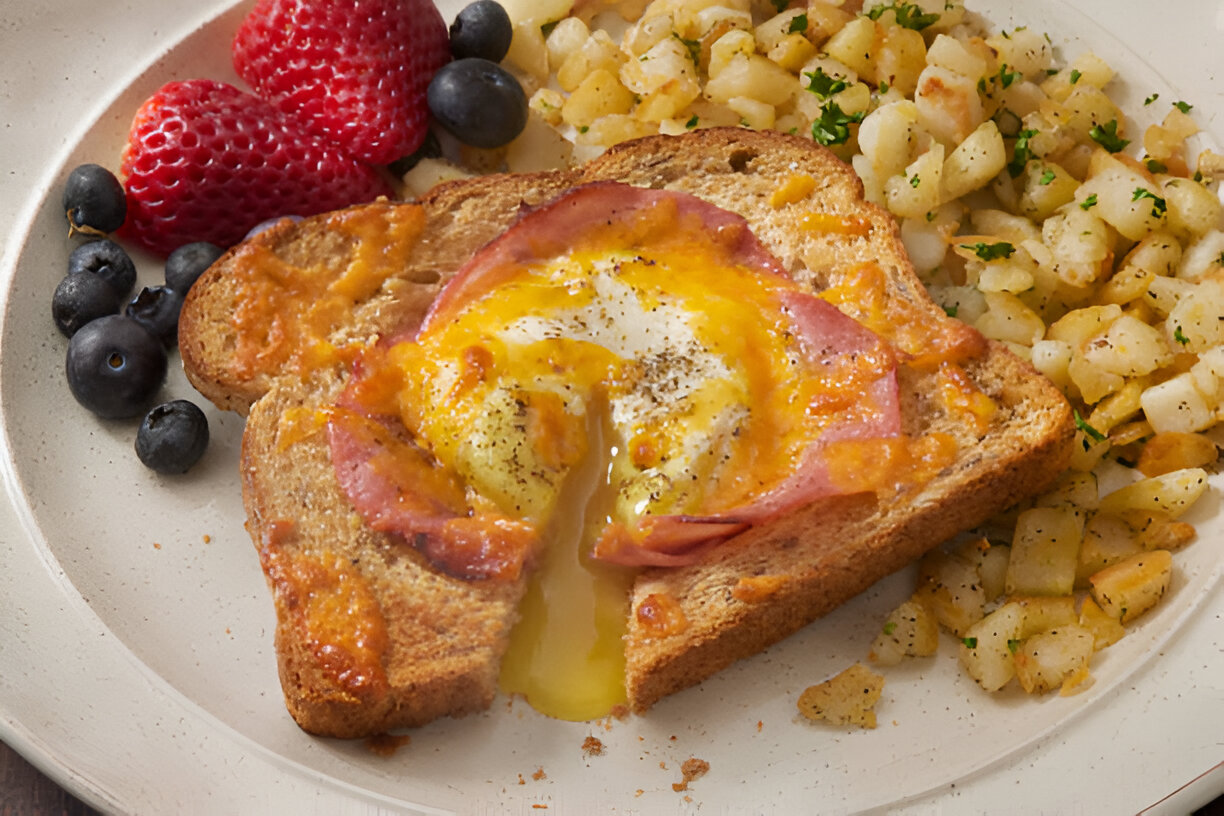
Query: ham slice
(418, 500)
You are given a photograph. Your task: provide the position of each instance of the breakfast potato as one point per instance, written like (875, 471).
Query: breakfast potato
(848, 698)
(1044, 551)
(1170, 493)
(1039, 613)
(910, 630)
(599, 94)
(1175, 450)
(973, 163)
(1177, 405)
(1131, 587)
(1054, 658)
(1108, 539)
(1106, 629)
(952, 588)
(987, 648)
(852, 45)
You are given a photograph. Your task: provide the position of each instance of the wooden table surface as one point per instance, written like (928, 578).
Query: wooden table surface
(25, 791)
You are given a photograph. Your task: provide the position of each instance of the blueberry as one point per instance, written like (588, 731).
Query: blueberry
(482, 29)
(94, 200)
(81, 298)
(115, 367)
(185, 264)
(107, 260)
(157, 308)
(478, 101)
(172, 437)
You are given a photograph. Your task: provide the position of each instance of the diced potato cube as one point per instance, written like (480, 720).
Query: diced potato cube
(949, 106)
(1155, 530)
(773, 31)
(974, 162)
(1046, 660)
(1194, 322)
(1175, 450)
(885, 137)
(1079, 245)
(910, 630)
(916, 192)
(1129, 588)
(527, 50)
(539, 147)
(951, 587)
(1008, 318)
(1125, 199)
(1025, 50)
(848, 698)
(1128, 347)
(1177, 405)
(986, 648)
(614, 129)
(852, 45)
(1052, 358)
(1044, 551)
(1042, 612)
(726, 48)
(1202, 258)
(755, 114)
(600, 94)
(1170, 493)
(1106, 629)
(1093, 381)
(753, 76)
(1077, 327)
(1193, 209)
(900, 59)
(954, 55)
(1047, 186)
(793, 52)
(566, 37)
(1107, 540)
(1163, 294)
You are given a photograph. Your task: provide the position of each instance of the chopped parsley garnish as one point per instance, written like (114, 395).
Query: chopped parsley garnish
(909, 15)
(1021, 153)
(951, 310)
(1182, 106)
(1180, 336)
(970, 642)
(1046, 177)
(1158, 204)
(1075, 76)
(1089, 202)
(1151, 99)
(692, 122)
(1006, 77)
(882, 88)
(1155, 166)
(890, 627)
(822, 84)
(915, 181)
(1106, 136)
(991, 252)
(833, 126)
(1089, 431)
(798, 24)
(1013, 644)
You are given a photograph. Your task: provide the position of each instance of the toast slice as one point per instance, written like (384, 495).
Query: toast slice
(370, 637)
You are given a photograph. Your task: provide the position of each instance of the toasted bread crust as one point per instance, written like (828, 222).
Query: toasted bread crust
(446, 637)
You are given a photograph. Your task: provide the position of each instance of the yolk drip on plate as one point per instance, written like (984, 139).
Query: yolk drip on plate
(630, 376)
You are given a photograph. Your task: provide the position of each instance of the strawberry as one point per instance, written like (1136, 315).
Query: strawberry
(205, 161)
(353, 71)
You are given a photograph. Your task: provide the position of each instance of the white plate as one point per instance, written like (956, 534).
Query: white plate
(136, 659)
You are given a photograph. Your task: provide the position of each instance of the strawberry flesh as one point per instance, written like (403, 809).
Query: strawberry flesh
(354, 72)
(206, 162)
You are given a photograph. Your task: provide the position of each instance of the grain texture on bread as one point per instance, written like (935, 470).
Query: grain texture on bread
(444, 637)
